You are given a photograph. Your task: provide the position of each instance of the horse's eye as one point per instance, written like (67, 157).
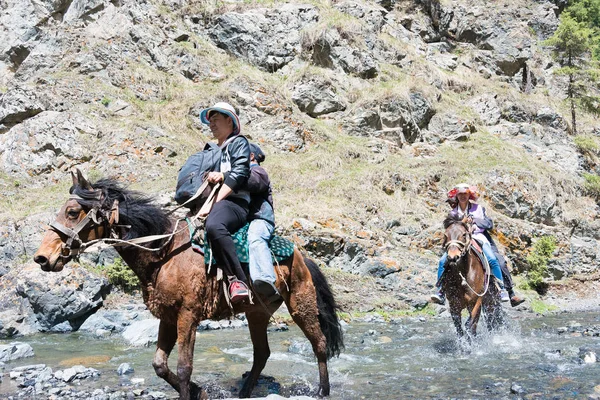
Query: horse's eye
(73, 214)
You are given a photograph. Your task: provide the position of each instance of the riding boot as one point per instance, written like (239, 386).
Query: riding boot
(438, 297)
(515, 300)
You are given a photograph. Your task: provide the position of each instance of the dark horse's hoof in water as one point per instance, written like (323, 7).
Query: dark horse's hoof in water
(197, 392)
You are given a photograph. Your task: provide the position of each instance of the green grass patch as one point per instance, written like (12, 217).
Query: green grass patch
(587, 144)
(540, 307)
(388, 315)
(592, 185)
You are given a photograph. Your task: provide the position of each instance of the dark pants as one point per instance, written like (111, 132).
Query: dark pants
(225, 218)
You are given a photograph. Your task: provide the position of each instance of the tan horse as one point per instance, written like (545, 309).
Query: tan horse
(464, 281)
(175, 284)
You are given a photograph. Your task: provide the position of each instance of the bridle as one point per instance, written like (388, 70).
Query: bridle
(464, 247)
(94, 219)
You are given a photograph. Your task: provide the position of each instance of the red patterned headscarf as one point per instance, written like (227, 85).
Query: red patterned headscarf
(463, 188)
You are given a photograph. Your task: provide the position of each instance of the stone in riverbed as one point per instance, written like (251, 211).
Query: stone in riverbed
(516, 389)
(124, 369)
(14, 351)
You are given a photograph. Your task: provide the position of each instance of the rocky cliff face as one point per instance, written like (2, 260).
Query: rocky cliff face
(369, 113)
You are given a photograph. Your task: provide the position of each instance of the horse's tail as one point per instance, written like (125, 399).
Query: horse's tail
(328, 319)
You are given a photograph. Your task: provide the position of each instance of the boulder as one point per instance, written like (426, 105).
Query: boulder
(17, 105)
(34, 300)
(517, 196)
(487, 108)
(142, 333)
(84, 9)
(267, 38)
(317, 98)
(14, 351)
(330, 50)
(448, 127)
(51, 140)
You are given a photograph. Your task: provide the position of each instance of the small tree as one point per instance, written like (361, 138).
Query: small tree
(572, 47)
(537, 259)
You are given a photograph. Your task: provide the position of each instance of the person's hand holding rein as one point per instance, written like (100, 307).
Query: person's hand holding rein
(215, 177)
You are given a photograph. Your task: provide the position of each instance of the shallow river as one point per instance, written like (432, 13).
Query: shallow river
(411, 358)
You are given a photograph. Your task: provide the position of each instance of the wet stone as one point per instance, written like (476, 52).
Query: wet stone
(124, 369)
(562, 329)
(516, 389)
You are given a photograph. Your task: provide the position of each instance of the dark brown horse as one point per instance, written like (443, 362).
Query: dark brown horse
(176, 286)
(465, 282)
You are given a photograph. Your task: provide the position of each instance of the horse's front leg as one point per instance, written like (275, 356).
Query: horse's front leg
(475, 313)
(258, 322)
(186, 338)
(167, 337)
(455, 309)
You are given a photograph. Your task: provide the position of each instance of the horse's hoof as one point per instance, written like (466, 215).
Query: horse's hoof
(197, 392)
(323, 392)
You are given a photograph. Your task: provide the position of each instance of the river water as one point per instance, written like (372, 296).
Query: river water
(408, 358)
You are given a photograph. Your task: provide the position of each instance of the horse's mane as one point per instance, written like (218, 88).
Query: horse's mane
(453, 219)
(135, 209)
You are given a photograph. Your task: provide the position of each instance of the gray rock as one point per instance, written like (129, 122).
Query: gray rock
(516, 389)
(373, 17)
(513, 196)
(585, 253)
(63, 299)
(35, 301)
(267, 38)
(83, 9)
(487, 108)
(438, 54)
(125, 369)
(421, 109)
(280, 133)
(76, 372)
(317, 98)
(51, 140)
(330, 50)
(17, 105)
(448, 127)
(14, 351)
(142, 333)
(31, 375)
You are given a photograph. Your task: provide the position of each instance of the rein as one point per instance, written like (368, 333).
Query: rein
(96, 218)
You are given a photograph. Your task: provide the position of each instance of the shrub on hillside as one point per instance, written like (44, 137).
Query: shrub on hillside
(121, 275)
(592, 185)
(587, 144)
(537, 260)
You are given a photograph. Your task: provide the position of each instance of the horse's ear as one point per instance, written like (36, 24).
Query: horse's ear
(83, 183)
(74, 177)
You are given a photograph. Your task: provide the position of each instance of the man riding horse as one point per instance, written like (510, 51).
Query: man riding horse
(462, 198)
(230, 211)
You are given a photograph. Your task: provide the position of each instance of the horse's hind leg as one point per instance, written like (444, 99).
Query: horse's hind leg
(167, 337)
(257, 324)
(303, 308)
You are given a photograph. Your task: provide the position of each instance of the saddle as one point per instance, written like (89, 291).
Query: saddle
(478, 250)
(281, 248)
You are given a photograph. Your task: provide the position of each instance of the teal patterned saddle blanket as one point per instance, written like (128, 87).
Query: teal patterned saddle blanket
(281, 248)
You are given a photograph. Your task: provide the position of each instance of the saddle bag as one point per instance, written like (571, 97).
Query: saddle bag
(191, 175)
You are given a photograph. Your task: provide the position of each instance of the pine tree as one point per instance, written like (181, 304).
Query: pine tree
(572, 47)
